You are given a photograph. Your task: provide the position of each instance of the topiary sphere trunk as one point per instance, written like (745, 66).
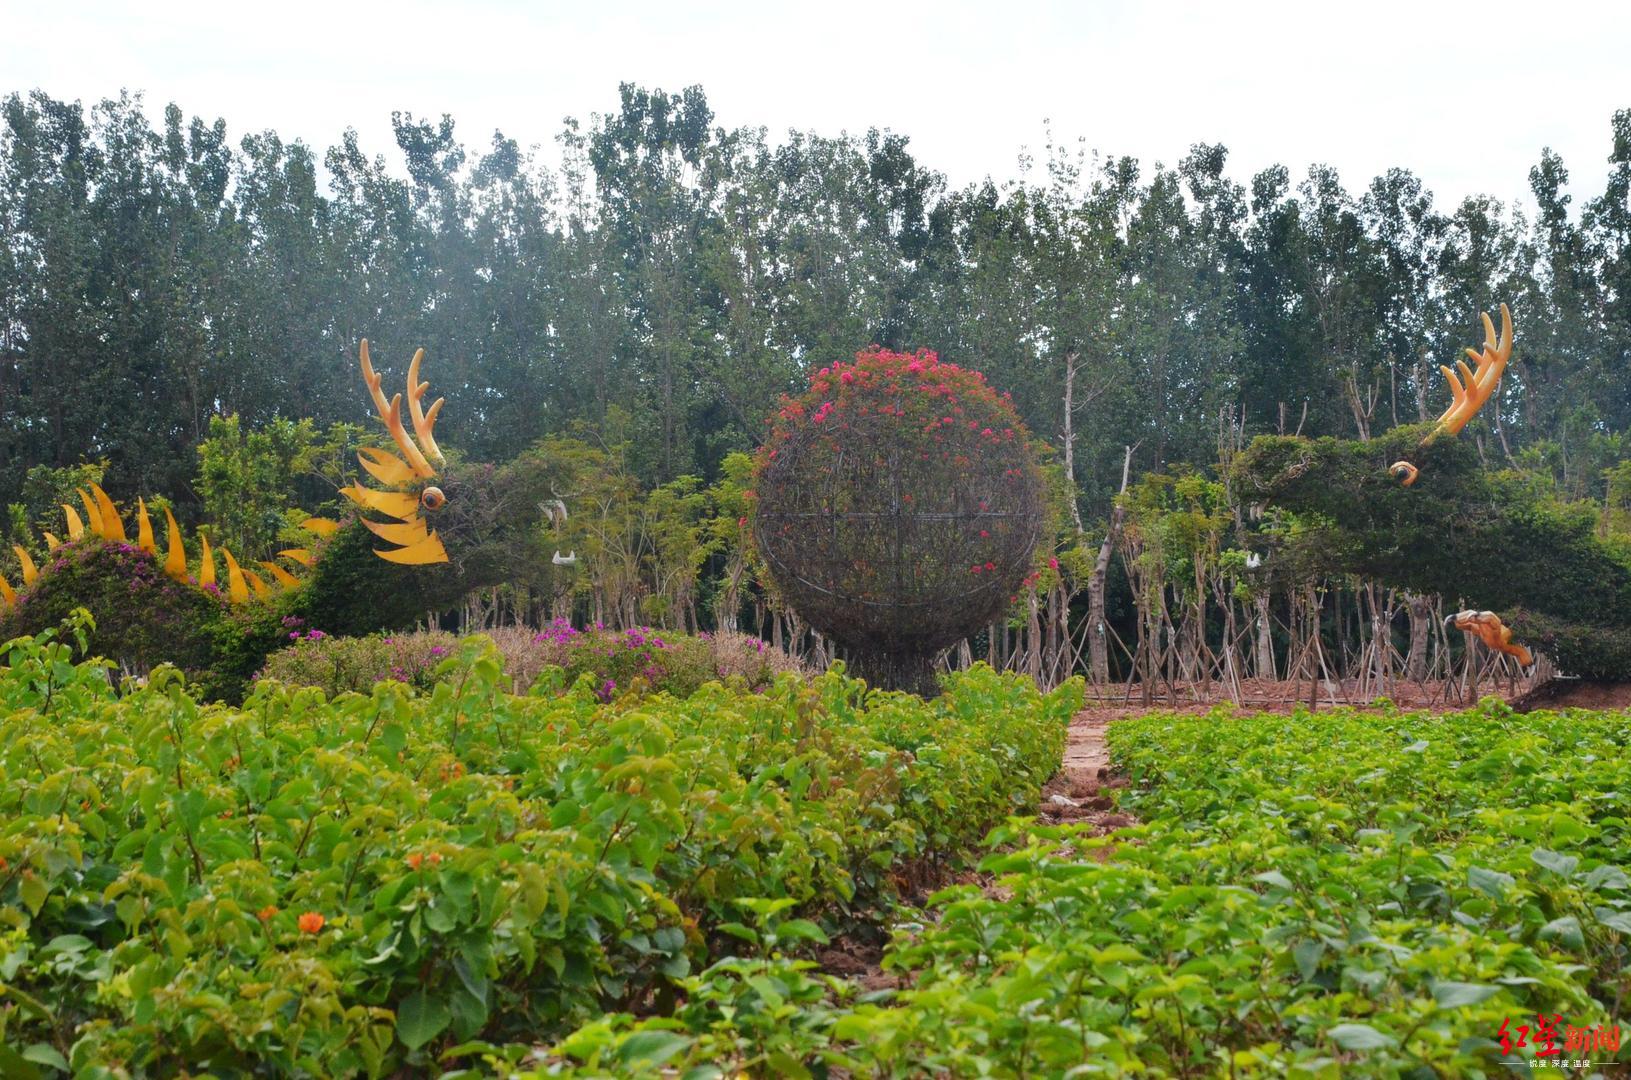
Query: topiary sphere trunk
(911, 672)
(898, 509)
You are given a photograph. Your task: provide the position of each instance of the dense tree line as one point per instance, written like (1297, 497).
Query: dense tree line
(672, 277)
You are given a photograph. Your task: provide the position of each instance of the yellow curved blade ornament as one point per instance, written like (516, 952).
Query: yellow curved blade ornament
(402, 505)
(409, 476)
(237, 587)
(1469, 390)
(385, 466)
(257, 585)
(144, 529)
(30, 571)
(281, 576)
(303, 556)
(324, 527)
(93, 513)
(7, 593)
(398, 532)
(175, 556)
(113, 527)
(426, 552)
(76, 527)
(206, 563)
(51, 542)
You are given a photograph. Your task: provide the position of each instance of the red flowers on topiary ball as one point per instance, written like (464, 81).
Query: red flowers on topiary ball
(898, 506)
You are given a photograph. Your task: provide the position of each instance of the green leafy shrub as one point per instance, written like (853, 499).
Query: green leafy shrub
(1328, 894)
(143, 618)
(359, 886)
(339, 664)
(613, 661)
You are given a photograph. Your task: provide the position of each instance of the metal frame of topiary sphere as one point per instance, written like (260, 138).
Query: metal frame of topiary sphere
(899, 505)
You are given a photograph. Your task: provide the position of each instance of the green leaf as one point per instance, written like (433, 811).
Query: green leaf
(45, 1054)
(13, 1064)
(650, 1048)
(1456, 995)
(737, 930)
(1619, 921)
(787, 1065)
(1565, 931)
(1607, 876)
(801, 930)
(1558, 863)
(1491, 882)
(420, 1018)
(33, 891)
(1360, 1037)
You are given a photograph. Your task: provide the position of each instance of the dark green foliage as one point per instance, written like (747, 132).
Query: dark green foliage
(352, 591)
(142, 617)
(490, 527)
(1487, 540)
(157, 271)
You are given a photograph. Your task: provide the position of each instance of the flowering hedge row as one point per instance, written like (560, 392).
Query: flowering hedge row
(615, 661)
(392, 883)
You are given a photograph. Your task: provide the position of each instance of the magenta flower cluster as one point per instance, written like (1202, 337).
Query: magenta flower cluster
(558, 632)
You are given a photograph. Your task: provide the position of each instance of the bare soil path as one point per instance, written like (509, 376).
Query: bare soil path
(1081, 792)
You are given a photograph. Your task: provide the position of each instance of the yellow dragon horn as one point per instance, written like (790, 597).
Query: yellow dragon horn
(206, 566)
(144, 529)
(390, 413)
(175, 557)
(30, 571)
(113, 528)
(237, 587)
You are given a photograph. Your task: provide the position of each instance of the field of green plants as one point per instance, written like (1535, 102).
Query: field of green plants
(401, 880)
(464, 882)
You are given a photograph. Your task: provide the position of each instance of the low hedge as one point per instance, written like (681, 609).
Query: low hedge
(614, 660)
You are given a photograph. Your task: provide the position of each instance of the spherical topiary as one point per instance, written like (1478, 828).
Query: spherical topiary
(898, 508)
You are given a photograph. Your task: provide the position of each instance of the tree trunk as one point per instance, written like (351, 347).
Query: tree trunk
(913, 673)
(1098, 634)
(1421, 623)
(1070, 437)
(1265, 641)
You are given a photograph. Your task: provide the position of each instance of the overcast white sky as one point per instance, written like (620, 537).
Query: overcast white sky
(1466, 94)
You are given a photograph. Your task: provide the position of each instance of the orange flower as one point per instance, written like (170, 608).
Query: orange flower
(414, 860)
(311, 922)
(435, 858)
(265, 914)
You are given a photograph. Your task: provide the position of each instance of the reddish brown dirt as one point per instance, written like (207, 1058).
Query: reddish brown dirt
(1081, 793)
(1575, 694)
(1260, 695)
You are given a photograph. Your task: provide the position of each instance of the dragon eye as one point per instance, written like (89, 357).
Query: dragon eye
(432, 498)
